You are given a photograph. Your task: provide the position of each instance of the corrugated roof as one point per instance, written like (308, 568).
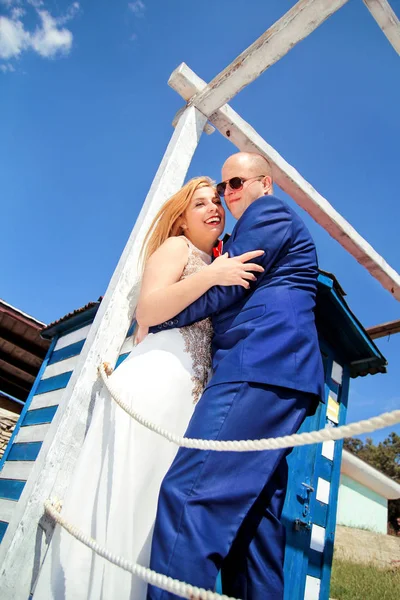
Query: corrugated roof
(78, 311)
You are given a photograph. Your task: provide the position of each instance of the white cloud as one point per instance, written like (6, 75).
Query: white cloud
(13, 37)
(48, 39)
(138, 7)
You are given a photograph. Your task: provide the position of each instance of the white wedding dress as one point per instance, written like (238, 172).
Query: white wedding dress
(114, 489)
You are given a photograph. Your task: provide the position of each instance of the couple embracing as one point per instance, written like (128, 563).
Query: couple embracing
(228, 350)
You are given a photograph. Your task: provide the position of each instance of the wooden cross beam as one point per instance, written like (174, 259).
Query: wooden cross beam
(294, 26)
(384, 329)
(241, 134)
(387, 20)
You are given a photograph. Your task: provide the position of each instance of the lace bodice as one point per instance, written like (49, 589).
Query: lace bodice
(198, 336)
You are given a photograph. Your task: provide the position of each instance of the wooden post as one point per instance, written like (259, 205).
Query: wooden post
(387, 20)
(243, 136)
(22, 548)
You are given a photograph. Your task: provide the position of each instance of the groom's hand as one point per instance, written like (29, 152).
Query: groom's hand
(236, 270)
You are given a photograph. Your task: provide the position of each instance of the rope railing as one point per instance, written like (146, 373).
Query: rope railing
(287, 441)
(179, 588)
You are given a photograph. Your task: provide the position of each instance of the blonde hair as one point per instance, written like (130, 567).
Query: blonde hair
(167, 222)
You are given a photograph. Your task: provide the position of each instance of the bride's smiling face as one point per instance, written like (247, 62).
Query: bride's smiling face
(204, 219)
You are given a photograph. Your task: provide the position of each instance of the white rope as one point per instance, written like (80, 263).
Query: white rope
(179, 588)
(287, 441)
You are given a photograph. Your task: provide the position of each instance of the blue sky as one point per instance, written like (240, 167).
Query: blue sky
(85, 116)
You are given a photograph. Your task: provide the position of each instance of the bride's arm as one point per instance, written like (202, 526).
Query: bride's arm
(164, 294)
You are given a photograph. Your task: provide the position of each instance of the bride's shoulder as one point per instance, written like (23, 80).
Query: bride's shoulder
(172, 248)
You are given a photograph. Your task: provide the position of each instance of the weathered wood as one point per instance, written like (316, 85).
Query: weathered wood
(384, 329)
(294, 26)
(52, 471)
(387, 20)
(19, 341)
(245, 138)
(17, 363)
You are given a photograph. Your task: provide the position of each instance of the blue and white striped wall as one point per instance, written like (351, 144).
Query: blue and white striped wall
(323, 504)
(39, 410)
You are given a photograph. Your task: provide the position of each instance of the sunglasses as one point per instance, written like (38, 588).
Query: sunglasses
(235, 183)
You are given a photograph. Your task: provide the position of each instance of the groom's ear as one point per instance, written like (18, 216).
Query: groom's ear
(268, 185)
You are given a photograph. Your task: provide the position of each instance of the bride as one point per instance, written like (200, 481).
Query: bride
(115, 485)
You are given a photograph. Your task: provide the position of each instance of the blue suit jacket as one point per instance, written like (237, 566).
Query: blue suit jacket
(266, 334)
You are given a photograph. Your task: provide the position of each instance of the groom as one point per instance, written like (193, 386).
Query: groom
(221, 510)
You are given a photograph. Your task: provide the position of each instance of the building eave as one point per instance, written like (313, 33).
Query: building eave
(363, 473)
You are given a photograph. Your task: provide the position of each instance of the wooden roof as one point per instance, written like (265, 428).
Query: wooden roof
(22, 350)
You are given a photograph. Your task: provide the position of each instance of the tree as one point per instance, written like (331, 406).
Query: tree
(386, 458)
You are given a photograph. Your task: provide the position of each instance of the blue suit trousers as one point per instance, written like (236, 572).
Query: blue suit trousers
(221, 510)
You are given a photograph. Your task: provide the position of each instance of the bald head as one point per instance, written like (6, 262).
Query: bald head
(251, 161)
(256, 174)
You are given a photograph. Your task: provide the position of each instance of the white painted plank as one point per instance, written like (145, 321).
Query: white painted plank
(7, 508)
(328, 449)
(323, 490)
(294, 26)
(387, 20)
(16, 469)
(127, 346)
(19, 557)
(58, 368)
(317, 538)
(47, 399)
(245, 138)
(74, 336)
(313, 587)
(337, 373)
(32, 433)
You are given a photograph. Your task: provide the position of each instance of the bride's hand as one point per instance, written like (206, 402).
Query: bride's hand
(141, 334)
(236, 270)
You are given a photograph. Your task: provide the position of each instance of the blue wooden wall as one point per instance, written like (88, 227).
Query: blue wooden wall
(38, 412)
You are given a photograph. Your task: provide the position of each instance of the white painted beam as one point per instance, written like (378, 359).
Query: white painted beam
(294, 26)
(20, 550)
(387, 20)
(245, 138)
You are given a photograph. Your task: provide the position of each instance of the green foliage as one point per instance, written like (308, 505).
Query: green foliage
(363, 582)
(386, 458)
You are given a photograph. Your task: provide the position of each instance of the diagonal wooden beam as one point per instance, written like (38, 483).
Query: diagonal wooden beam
(387, 20)
(384, 329)
(241, 134)
(289, 30)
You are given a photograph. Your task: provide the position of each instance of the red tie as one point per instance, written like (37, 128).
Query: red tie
(217, 250)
